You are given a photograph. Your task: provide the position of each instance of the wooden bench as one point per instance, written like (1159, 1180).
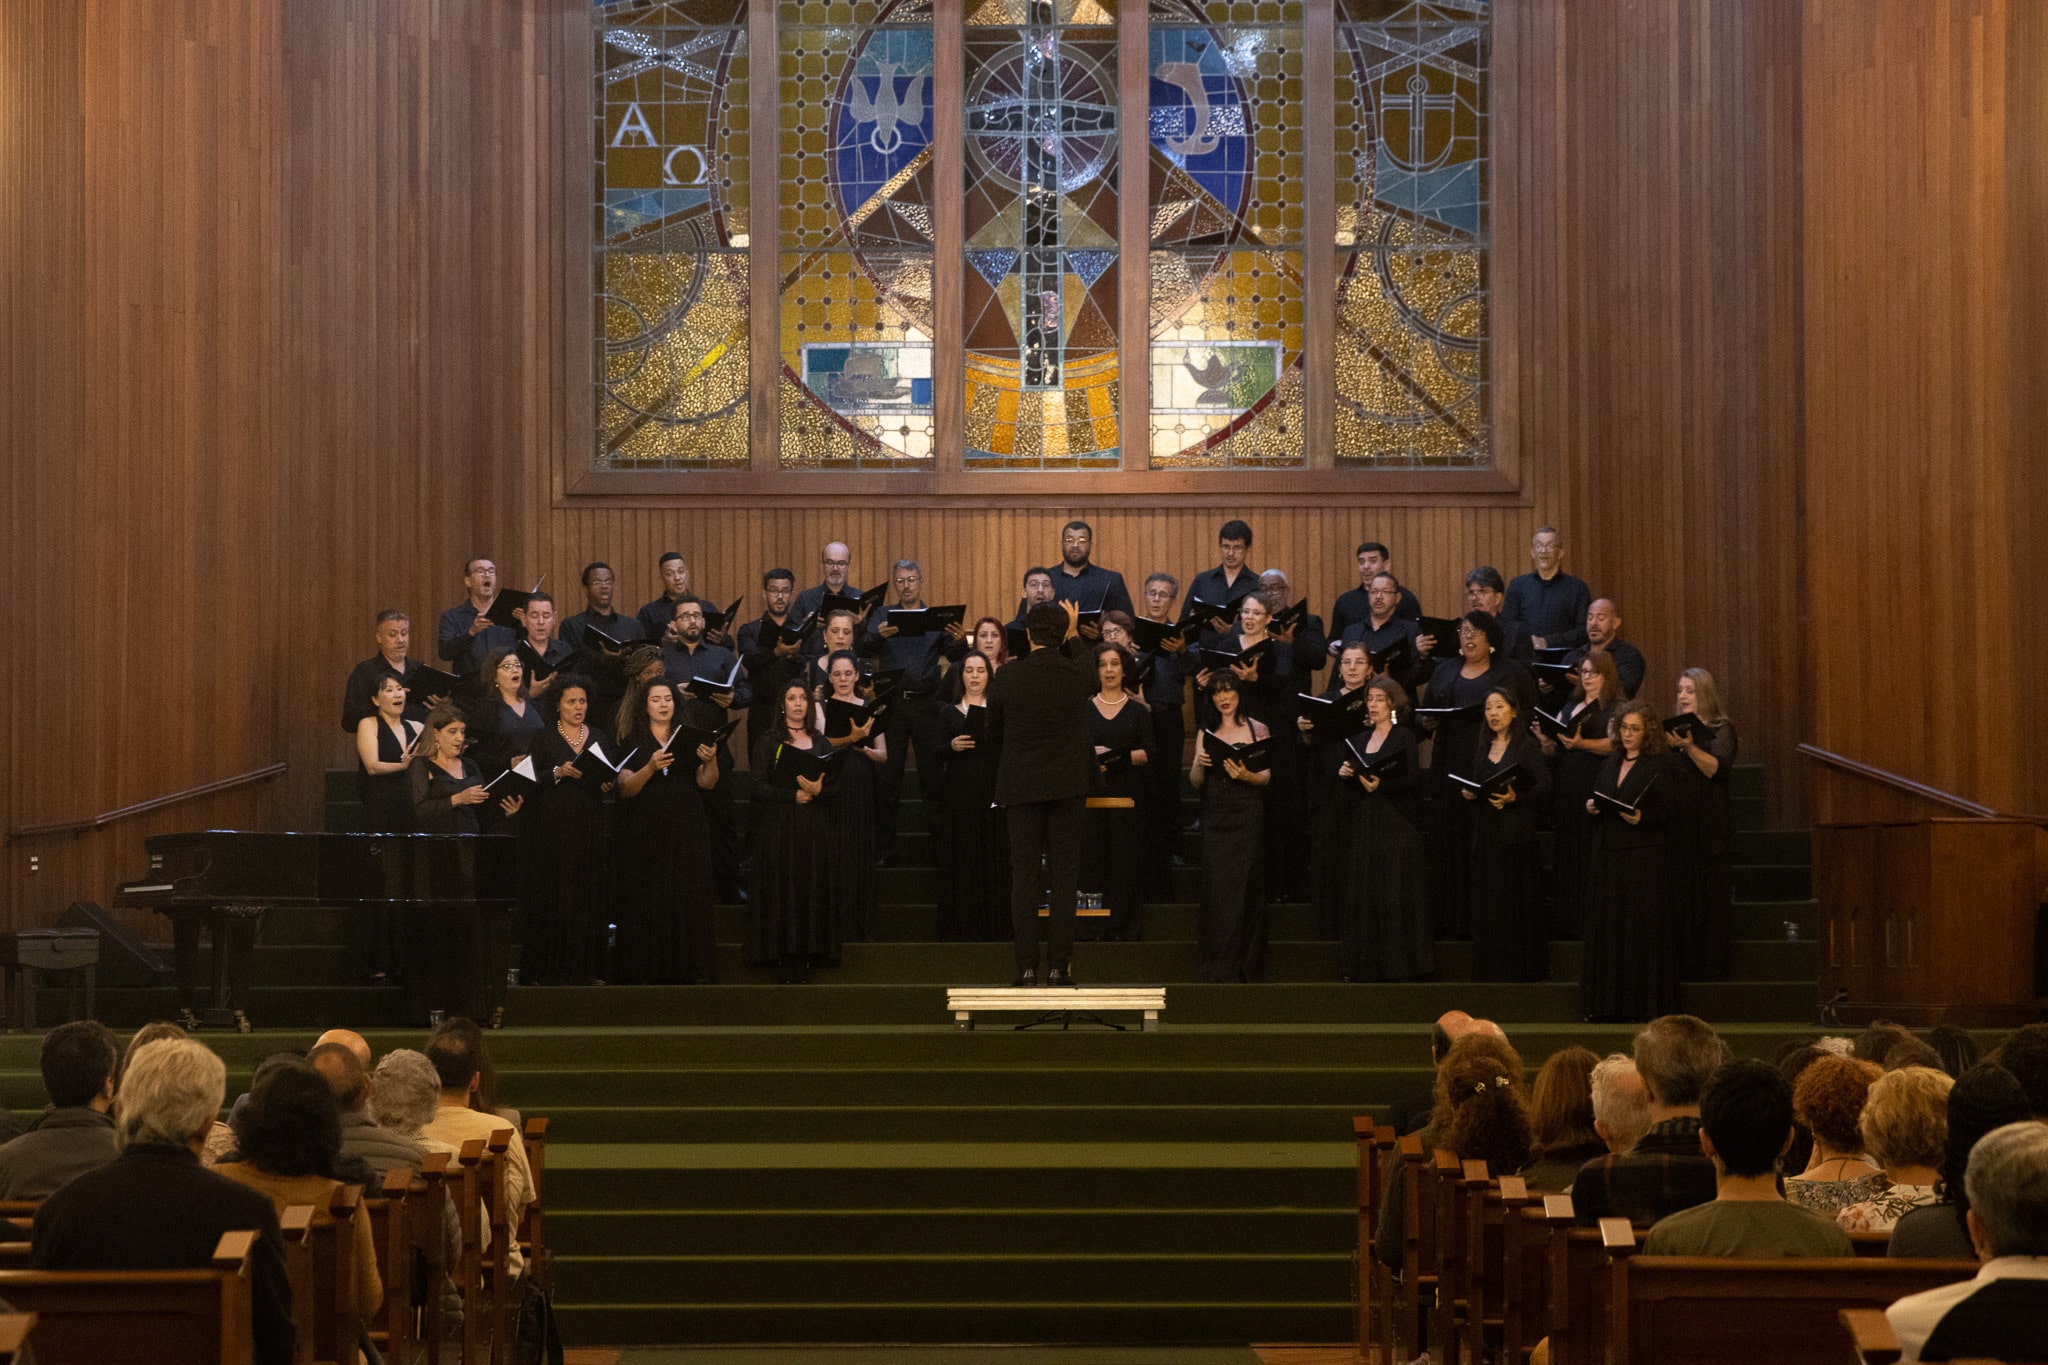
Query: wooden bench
(1699, 1310)
(165, 1317)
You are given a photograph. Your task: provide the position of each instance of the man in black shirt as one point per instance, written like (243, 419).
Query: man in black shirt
(604, 669)
(1354, 605)
(655, 617)
(913, 722)
(392, 660)
(1485, 592)
(466, 635)
(1089, 586)
(772, 664)
(1229, 581)
(685, 656)
(1043, 777)
(1603, 631)
(1549, 601)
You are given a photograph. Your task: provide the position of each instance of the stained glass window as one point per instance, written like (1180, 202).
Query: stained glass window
(856, 233)
(949, 236)
(1041, 234)
(1226, 230)
(1411, 341)
(671, 268)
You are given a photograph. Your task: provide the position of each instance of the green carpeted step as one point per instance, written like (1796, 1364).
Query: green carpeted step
(1099, 1320)
(969, 1232)
(1153, 1276)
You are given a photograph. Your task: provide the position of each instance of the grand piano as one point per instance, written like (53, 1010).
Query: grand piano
(218, 883)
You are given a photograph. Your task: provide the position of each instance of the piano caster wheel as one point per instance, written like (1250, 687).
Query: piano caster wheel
(498, 1017)
(241, 1022)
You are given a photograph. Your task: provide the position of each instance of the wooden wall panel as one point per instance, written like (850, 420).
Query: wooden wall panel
(142, 178)
(424, 386)
(1923, 361)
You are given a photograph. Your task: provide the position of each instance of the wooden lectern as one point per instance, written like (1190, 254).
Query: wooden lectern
(1929, 921)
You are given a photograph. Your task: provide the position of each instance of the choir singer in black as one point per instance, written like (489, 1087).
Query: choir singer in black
(1043, 779)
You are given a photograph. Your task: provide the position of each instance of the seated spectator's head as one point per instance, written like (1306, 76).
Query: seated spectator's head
(404, 1094)
(348, 1038)
(79, 1061)
(1482, 1107)
(2008, 1184)
(289, 1125)
(1985, 1097)
(347, 1078)
(1875, 1043)
(2025, 1055)
(1905, 1119)
(1677, 1055)
(1561, 1106)
(171, 1091)
(1957, 1048)
(1746, 1118)
(1621, 1106)
(1911, 1051)
(1829, 1101)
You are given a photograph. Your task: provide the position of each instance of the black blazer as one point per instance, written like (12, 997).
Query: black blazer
(1036, 702)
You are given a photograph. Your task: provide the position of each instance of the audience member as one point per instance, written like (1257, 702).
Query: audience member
(1565, 1132)
(1905, 1131)
(1829, 1101)
(287, 1139)
(363, 1139)
(1745, 1126)
(155, 1207)
(1984, 1097)
(1621, 1103)
(455, 1121)
(2003, 1313)
(1481, 1114)
(2025, 1055)
(1957, 1048)
(220, 1139)
(76, 1133)
(1665, 1170)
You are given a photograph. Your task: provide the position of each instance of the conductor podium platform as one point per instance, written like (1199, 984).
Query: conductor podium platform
(756, 1162)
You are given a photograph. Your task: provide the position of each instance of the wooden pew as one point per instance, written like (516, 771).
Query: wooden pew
(1375, 1142)
(14, 1333)
(533, 1238)
(1700, 1310)
(165, 1317)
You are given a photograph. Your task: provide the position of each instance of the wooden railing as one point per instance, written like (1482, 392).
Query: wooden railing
(1909, 787)
(102, 820)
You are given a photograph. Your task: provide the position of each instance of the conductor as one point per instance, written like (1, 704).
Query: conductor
(1043, 777)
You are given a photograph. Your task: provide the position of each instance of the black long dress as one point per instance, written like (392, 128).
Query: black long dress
(1703, 857)
(1572, 782)
(1233, 911)
(667, 929)
(850, 839)
(973, 840)
(1384, 932)
(1113, 841)
(790, 924)
(562, 944)
(1329, 813)
(375, 949)
(1510, 938)
(1632, 952)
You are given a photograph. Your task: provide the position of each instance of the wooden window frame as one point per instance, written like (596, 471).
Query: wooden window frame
(580, 481)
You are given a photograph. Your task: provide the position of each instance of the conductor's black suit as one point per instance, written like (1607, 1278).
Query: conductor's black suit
(1043, 777)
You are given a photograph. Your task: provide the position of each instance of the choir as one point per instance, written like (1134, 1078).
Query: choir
(1405, 798)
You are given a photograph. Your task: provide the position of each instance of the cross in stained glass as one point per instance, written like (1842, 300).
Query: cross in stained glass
(1051, 141)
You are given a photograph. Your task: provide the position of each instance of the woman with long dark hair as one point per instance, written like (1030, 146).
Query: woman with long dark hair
(1233, 911)
(1630, 965)
(1384, 931)
(667, 932)
(1577, 753)
(1113, 840)
(1703, 836)
(1510, 937)
(562, 944)
(791, 925)
(973, 841)
(850, 828)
